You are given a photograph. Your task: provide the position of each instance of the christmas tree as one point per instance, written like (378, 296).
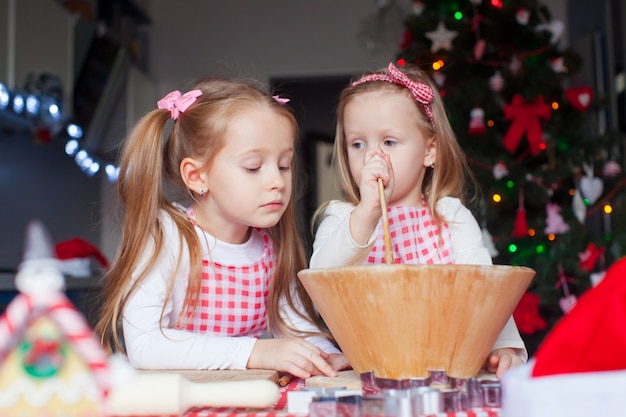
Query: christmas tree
(552, 191)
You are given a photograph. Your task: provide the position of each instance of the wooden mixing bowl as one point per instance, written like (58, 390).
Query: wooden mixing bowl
(401, 321)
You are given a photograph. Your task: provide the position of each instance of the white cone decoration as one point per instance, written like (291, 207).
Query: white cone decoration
(578, 206)
(40, 270)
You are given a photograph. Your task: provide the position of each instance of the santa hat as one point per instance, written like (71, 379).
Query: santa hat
(592, 336)
(79, 248)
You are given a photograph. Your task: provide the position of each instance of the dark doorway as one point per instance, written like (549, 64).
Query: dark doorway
(314, 100)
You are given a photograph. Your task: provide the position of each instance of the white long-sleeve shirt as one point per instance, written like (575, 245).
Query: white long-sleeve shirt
(153, 343)
(334, 247)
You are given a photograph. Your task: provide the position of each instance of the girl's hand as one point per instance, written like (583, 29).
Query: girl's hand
(296, 356)
(338, 361)
(377, 165)
(365, 216)
(500, 360)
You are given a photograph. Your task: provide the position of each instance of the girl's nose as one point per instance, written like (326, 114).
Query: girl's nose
(373, 151)
(277, 179)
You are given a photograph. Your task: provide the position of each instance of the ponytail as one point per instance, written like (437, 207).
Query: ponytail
(140, 188)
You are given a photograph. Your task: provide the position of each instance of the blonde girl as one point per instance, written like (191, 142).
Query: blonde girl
(392, 125)
(200, 287)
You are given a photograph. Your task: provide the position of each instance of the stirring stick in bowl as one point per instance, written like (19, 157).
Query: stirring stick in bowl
(383, 208)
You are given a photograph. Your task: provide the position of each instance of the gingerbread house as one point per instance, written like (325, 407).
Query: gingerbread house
(51, 363)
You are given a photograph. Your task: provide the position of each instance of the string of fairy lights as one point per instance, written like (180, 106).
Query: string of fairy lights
(41, 110)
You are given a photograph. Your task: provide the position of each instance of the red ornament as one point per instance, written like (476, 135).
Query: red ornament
(579, 97)
(477, 122)
(522, 16)
(417, 8)
(590, 256)
(526, 314)
(525, 119)
(479, 49)
(557, 65)
(500, 170)
(520, 229)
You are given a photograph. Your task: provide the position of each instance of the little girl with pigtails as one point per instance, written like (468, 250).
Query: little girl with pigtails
(200, 287)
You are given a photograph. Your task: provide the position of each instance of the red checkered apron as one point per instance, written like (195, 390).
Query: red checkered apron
(415, 238)
(232, 297)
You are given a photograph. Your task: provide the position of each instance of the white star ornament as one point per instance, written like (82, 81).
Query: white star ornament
(441, 38)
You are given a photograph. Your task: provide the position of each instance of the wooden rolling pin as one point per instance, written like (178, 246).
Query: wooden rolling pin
(172, 394)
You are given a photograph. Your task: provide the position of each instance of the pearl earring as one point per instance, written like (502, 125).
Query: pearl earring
(201, 192)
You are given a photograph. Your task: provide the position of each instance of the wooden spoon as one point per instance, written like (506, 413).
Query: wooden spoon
(383, 208)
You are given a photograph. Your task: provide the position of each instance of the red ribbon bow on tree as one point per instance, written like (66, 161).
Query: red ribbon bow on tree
(590, 256)
(525, 118)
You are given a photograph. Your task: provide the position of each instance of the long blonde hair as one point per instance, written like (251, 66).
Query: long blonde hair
(451, 172)
(149, 162)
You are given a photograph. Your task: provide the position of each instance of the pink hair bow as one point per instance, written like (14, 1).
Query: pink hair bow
(280, 99)
(421, 92)
(178, 103)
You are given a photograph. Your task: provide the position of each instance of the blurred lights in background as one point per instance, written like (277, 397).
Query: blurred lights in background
(46, 111)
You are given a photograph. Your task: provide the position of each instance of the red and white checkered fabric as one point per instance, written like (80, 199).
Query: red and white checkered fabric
(415, 238)
(232, 298)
